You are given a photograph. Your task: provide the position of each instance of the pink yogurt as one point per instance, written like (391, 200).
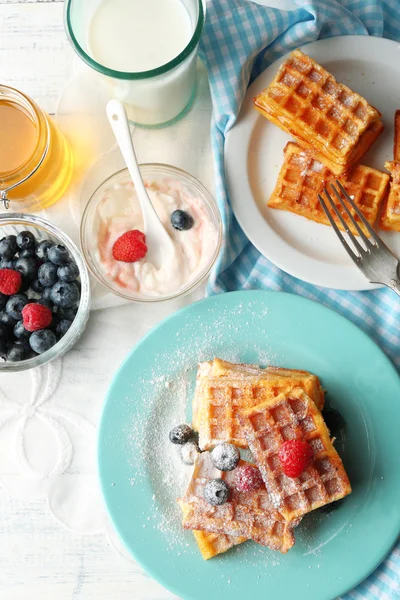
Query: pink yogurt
(119, 211)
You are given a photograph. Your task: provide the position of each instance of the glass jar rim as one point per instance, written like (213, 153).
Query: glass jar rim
(82, 315)
(12, 94)
(169, 170)
(127, 75)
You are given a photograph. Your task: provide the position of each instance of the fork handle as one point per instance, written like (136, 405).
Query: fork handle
(395, 286)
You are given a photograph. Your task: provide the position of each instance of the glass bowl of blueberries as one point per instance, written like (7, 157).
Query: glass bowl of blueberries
(44, 292)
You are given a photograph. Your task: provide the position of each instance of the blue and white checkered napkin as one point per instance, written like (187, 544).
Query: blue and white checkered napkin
(240, 40)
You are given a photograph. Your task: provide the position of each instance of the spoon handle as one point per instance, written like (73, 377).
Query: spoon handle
(119, 122)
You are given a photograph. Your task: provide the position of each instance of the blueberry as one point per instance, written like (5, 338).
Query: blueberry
(42, 340)
(44, 301)
(17, 351)
(3, 349)
(25, 239)
(25, 284)
(5, 332)
(46, 294)
(43, 248)
(181, 220)
(216, 492)
(68, 272)
(7, 264)
(27, 253)
(180, 434)
(189, 452)
(62, 327)
(8, 247)
(334, 420)
(58, 255)
(27, 267)
(20, 332)
(6, 320)
(47, 274)
(37, 286)
(64, 294)
(3, 300)
(15, 305)
(67, 313)
(225, 457)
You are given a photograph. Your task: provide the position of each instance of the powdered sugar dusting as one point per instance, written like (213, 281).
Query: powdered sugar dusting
(169, 394)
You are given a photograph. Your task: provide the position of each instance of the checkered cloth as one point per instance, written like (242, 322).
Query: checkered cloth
(240, 40)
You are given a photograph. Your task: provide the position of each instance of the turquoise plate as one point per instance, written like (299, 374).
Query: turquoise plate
(142, 475)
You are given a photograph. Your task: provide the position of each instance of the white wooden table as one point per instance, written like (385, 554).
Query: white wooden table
(40, 558)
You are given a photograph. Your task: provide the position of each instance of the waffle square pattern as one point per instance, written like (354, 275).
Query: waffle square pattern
(250, 515)
(223, 389)
(288, 417)
(211, 544)
(323, 115)
(302, 178)
(390, 215)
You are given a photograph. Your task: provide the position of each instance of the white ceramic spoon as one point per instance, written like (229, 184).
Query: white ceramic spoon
(159, 244)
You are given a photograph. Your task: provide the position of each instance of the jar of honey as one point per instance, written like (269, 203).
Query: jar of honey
(35, 159)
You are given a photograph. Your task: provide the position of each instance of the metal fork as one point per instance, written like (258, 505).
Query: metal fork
(371, 255)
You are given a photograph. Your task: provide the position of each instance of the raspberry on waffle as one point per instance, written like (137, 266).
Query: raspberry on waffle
(294, 416)
(324, 116)
(390, 215)
(302, 178)
(223, 389)
(247, 514)
(211, 544)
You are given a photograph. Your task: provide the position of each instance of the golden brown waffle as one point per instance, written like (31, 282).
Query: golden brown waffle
(324, 116)
(302, 178)
(211, 544)
(294, 416)
(247, 514)
(224, 388)
(390, 214)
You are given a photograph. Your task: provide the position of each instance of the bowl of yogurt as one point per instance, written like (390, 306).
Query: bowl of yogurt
(187, 211)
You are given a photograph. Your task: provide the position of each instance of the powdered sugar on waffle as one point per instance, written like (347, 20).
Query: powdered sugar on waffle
(169, 401)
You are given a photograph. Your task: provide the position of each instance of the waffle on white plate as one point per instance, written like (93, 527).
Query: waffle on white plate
(302, 177)
(324, 116)
(390, 215)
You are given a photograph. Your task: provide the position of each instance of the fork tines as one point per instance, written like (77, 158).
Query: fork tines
(330, 207)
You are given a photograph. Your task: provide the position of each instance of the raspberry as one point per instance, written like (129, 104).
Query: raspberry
(248, 478)
(36, 316)
(10, 281)
(130, 247)
(295, 457)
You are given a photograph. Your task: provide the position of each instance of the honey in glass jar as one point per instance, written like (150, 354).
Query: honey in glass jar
(35, 159)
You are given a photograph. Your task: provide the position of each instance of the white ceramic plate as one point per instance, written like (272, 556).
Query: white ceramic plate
(254, 155)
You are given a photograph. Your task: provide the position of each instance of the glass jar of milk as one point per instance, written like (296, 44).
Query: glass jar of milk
(145, 50)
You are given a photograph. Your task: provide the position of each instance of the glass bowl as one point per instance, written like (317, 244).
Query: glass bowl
(12, 224)
(152, 173)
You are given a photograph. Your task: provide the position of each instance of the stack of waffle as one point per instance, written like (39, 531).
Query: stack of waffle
(390, 216)
(333, 128)
(259, 409)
